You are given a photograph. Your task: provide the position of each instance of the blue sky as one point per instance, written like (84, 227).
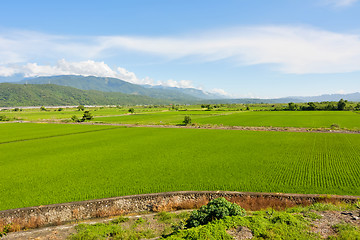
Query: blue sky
(243, 48)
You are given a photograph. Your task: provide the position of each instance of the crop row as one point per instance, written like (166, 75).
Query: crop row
(97, 162)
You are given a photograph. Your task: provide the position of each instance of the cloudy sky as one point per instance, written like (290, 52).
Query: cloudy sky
(242, 48)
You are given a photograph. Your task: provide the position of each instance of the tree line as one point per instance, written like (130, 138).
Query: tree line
(341, 105)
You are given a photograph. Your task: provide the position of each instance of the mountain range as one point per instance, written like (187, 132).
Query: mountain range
(90, 90)
(15, 95)
(107, 84)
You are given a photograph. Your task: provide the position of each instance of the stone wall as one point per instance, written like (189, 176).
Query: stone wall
(56, 214)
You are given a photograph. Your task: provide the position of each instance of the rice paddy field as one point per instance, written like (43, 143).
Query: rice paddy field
(54, 163)
(302, 119)
(223, 116)
(161, 118)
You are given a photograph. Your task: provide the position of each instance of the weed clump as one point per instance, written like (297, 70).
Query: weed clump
(216, 209)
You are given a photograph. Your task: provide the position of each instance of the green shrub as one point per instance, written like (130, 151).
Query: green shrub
(3, 118)
(87, 116)
(80, 108)
(216, 209)
(74, 118)
(187, 120)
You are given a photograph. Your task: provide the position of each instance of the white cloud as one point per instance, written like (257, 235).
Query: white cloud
(341, 3)
(289, 49)
(178, 84)
(85, 68)
(297, 50)
(220, 92)
(27, 46)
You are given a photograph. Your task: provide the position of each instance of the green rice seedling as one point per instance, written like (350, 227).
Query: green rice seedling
(54, 163)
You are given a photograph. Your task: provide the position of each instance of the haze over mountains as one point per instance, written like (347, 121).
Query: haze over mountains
(107, 84)
(75, 89)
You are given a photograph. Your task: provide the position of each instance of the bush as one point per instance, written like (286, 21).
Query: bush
(216, 209)
(3, 118)
(80, 108)
(42, 108)
(131, 110)
(187, 120)
(87, 116)
(74, 118)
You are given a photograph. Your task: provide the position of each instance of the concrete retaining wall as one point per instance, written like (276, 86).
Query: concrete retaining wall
(56, 214)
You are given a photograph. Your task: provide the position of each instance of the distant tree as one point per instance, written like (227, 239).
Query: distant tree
(292, 106)
(247, 108)
(357, 107)
(42, 108)
(81, 108)
(74, 118)
(17, 109)
(341, 105)
(87, 116)
(3, 118)
(187, 120)
(60, 109)
(131, 110)
(330, 107)
(311, 106)
(208, 106)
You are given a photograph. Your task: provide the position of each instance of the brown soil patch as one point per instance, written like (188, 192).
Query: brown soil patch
(239, 128)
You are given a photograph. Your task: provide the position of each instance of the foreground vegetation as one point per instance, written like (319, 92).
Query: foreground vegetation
(293, 223)
(53, 163)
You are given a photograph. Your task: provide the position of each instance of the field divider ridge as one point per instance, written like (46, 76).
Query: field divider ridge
(57, 214)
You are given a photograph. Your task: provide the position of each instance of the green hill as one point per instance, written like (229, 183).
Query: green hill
(107, 84)
(55, 95)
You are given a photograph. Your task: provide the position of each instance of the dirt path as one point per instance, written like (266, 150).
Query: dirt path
(239, 128)
(64, 231)
(323, 226)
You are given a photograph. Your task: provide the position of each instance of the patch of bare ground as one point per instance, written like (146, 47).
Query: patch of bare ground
(148, 222)
(324, 226)
(240, 233)
(151, 222)
(239, 128)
